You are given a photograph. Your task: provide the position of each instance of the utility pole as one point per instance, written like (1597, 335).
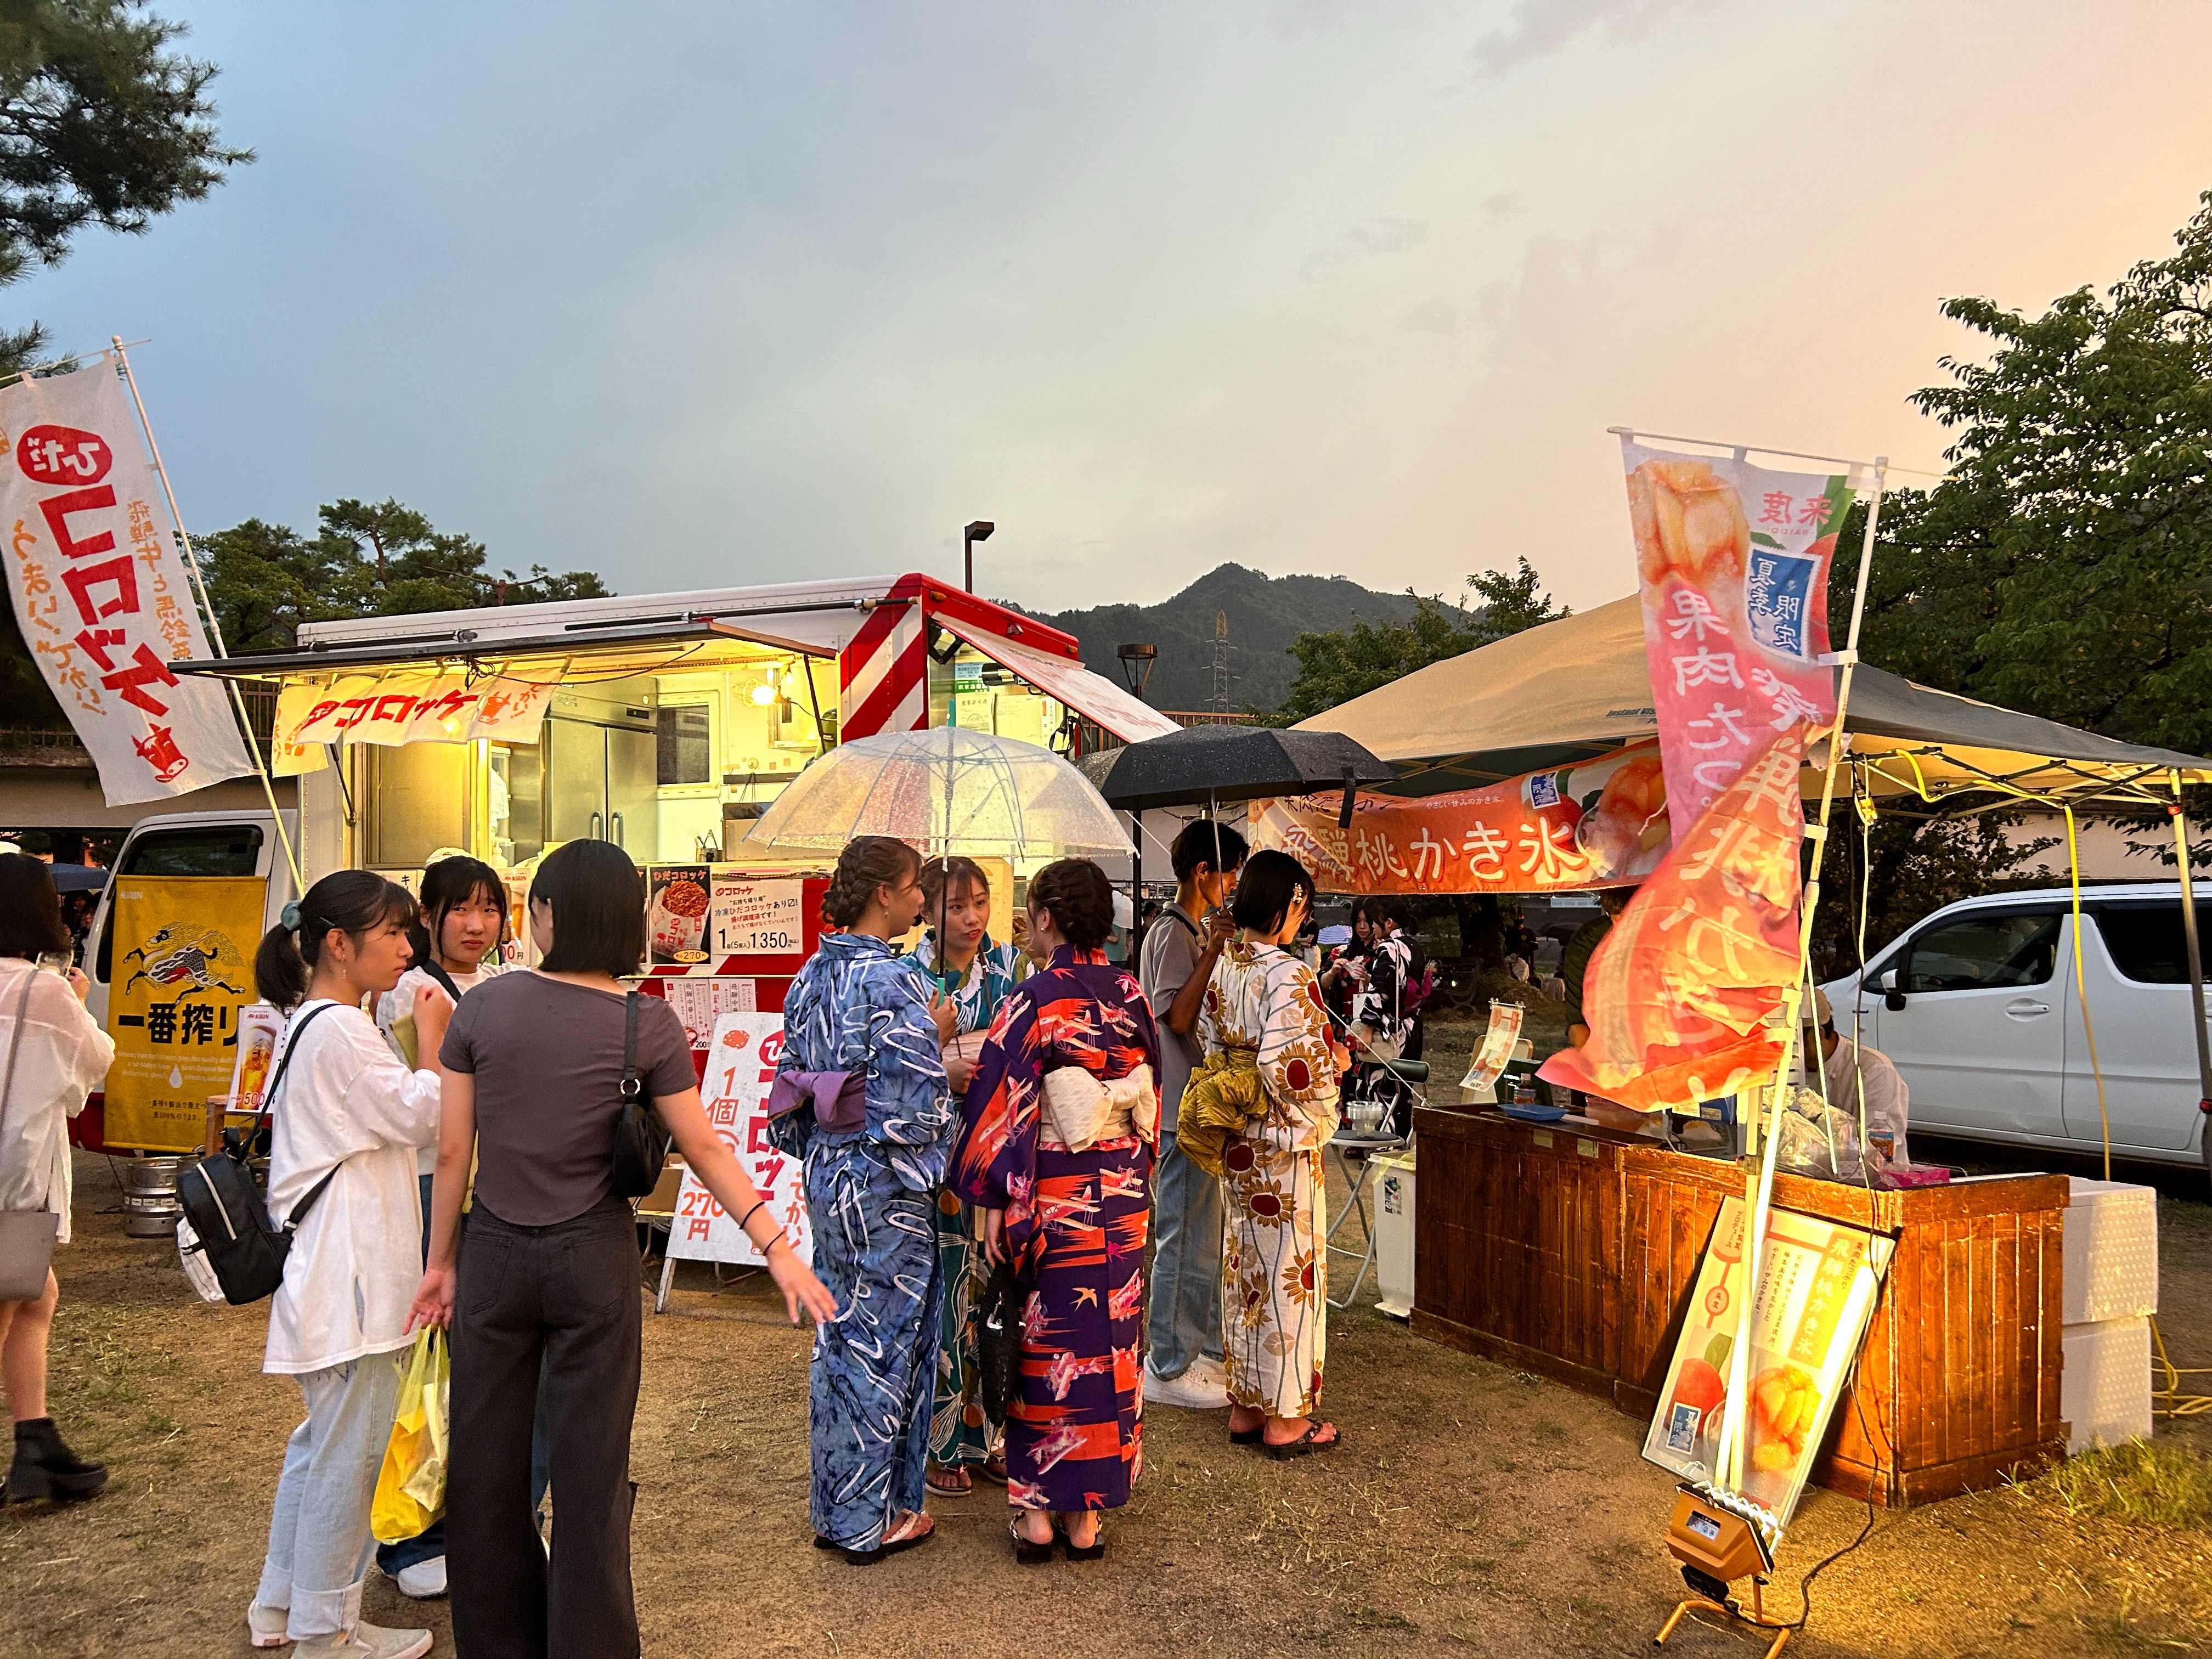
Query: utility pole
(1221, 650)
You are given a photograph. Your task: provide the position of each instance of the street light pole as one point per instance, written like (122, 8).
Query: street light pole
(978, 531)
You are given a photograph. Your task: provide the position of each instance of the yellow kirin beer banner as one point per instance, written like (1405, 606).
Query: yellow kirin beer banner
(182, 968)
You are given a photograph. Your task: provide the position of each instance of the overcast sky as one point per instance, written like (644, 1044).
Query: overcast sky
(722, 293)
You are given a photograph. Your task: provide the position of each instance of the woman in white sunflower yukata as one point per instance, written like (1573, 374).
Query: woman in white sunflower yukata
(1274, 1266)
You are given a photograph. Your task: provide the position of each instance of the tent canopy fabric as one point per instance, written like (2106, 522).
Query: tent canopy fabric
(1580, 687)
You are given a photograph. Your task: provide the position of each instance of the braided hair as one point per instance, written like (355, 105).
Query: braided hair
(867, 863)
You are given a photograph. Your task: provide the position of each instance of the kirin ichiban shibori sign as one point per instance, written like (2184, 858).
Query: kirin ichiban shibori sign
(100, 590)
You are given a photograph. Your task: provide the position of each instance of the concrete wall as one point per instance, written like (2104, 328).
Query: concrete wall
(70, 798)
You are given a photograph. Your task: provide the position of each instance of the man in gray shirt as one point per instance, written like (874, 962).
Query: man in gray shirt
(1184, 1367)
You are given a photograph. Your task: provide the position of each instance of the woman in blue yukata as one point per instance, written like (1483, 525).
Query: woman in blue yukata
(966, 964)
(1056, 1152)
(861, 1016)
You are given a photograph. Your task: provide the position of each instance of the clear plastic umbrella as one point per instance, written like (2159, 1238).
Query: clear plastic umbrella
(947, 790)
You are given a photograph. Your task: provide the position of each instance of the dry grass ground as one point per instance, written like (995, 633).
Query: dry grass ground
(1473, 1510)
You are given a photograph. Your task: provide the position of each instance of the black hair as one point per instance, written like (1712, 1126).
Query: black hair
(30, 910)
(354, 903)
(1078, 897)
(867, 862)
(597, 900)
(1194, 845)
(957, 873)
(1264, 892)
(1389, 907)
(448, 883)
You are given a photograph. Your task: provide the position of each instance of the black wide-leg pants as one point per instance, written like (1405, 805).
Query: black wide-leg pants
(566, 1296)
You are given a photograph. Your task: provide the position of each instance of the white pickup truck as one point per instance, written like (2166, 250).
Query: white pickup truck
(1977, 1006)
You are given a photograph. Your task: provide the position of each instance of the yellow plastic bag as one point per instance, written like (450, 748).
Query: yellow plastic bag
(410, 1489)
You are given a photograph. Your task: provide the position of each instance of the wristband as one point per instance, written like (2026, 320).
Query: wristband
(750, 1214)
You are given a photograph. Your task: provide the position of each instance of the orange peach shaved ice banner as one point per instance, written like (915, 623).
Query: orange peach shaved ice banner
(1677, 995)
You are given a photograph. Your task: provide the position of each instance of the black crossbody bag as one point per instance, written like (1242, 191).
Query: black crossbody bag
(641, 1140)
(228, 1211)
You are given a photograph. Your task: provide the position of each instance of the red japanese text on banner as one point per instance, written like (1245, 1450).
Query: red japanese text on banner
(1732, 561)
(100, 590)
(1600, 822)
(404, 706)
(1677, 995)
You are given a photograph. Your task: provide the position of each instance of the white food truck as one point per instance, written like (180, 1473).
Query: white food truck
(663, 722)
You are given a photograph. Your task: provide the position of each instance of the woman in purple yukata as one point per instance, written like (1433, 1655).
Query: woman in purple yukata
(1056, 1154)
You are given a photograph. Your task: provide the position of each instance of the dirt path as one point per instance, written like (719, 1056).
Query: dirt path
(1473, 1510)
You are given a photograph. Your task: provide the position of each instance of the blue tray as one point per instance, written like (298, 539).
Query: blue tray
(1536, 1113)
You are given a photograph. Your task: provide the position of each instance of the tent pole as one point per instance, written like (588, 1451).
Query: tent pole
(2188, 935)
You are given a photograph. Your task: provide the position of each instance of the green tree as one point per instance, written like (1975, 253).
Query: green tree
(367, 560)
(2063, 567)
(1343, 663)
(102, 123)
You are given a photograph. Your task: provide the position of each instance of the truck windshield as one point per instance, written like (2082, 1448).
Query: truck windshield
(217, 849)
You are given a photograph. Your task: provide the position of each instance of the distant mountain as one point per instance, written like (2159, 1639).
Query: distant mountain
(1264, 612)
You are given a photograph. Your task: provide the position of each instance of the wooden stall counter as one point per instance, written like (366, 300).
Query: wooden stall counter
(1572, 1251)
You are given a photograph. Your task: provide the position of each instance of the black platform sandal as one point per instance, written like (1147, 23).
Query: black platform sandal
(1028, 1553)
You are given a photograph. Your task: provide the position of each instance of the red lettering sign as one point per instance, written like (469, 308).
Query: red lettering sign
(62, 454)
(56, 510)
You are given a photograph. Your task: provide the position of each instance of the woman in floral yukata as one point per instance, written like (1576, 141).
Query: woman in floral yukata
(858, 1006)
(1275, 1263)
(964, 963)
(1060, 1171)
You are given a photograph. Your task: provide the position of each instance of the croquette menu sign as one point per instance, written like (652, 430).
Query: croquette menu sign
(100, 591)
(1600, 823)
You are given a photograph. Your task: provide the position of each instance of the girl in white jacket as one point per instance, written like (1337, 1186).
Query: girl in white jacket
(346, 1108)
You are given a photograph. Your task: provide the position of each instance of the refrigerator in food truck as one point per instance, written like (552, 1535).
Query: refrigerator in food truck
(601, 747)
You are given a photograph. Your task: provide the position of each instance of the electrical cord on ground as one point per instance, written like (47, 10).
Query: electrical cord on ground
(2172, 1400)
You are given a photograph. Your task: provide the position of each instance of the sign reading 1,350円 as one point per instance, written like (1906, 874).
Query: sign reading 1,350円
(758, 917)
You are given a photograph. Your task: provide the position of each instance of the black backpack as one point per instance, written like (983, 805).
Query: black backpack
(228, 1211)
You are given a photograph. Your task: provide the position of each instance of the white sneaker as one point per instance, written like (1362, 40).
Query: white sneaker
(266, 1625)
(1193, 1390)
(423, 1581)
(367, 1641)
(1210, 1372)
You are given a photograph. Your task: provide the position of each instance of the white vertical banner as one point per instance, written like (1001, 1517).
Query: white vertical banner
(100, 590)
(740, 1070)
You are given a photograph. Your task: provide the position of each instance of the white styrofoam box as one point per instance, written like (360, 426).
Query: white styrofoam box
(1394, 1234)
(2112, 1251)
(2104, 1390)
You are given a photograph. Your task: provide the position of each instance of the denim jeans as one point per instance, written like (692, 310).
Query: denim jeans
(1186, 1220)
(319, 1538)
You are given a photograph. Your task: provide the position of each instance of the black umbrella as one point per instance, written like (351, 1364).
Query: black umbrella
(1206, 763)
(79, 878)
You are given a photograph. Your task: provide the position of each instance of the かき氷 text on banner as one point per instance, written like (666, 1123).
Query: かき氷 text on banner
(100, 591)
(1599, 822)
(1732, 562)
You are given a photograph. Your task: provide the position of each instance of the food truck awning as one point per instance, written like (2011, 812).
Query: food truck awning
(1091, 695)
(1580, 687)
(810, 618)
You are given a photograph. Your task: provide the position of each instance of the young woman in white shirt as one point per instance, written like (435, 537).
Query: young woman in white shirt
(457, 941)
(55, 1055)
(346, 1109)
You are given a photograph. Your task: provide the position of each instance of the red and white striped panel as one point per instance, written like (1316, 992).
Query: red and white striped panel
(882, 675)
